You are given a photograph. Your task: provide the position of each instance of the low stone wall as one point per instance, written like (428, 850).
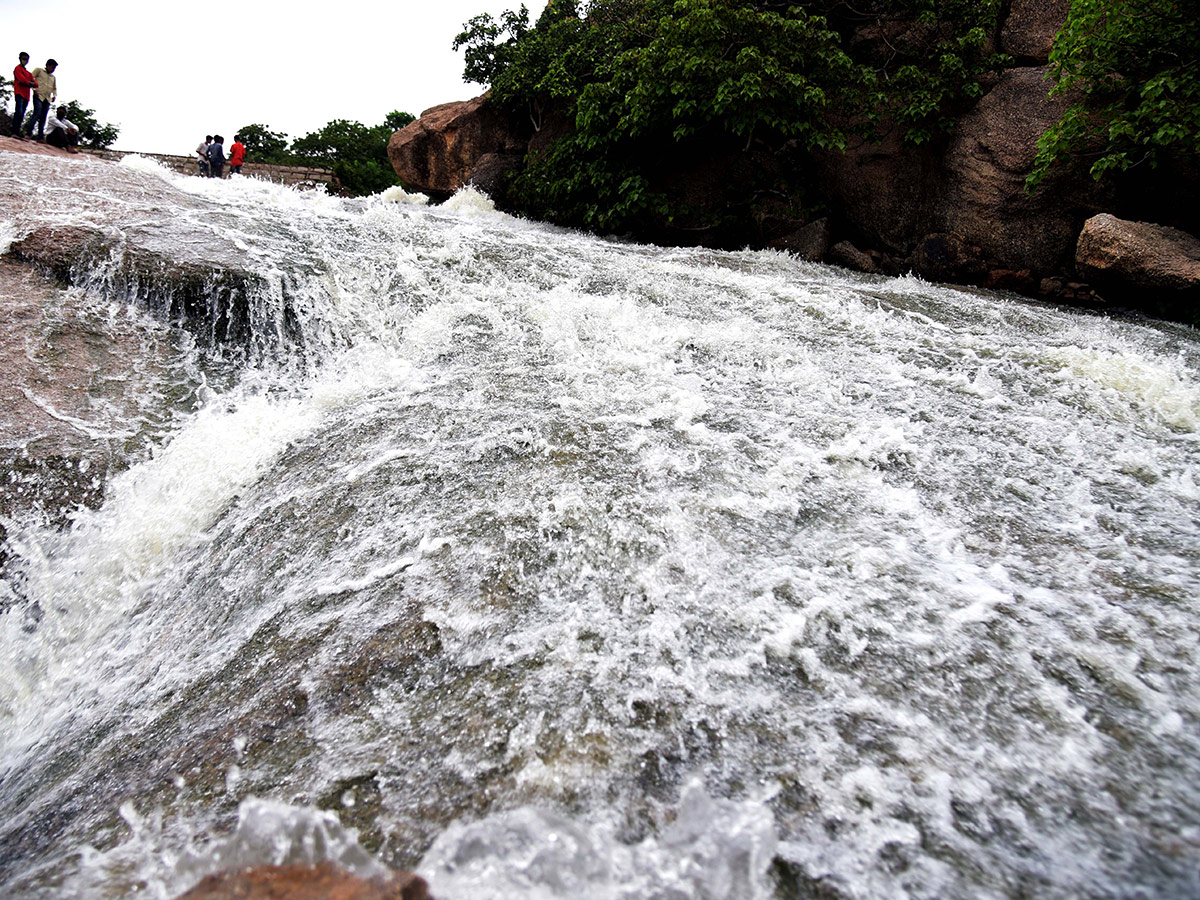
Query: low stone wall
(186, 165)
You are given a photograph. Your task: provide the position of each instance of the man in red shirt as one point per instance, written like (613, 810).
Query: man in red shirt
(237, 155)
(22, 82)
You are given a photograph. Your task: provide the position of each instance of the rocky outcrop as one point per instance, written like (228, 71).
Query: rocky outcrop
(982, 195)
(1140, 263)
(881, 192)
(1029, 30)
(439, 152)
(300, 881)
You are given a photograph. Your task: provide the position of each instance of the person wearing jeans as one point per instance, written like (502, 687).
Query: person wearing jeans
(22, 82)
(43, 95)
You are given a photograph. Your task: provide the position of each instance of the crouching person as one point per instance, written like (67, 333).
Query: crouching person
(61, 132)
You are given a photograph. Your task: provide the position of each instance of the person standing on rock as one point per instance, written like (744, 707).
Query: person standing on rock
(22, 82)
(202, 155)
(216, 157)
(237, 155)
(45, 93)
(61, 132)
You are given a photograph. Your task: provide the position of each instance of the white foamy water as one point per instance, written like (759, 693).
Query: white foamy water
(558, 567)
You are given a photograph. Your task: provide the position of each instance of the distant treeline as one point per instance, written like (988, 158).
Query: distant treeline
(355, 153)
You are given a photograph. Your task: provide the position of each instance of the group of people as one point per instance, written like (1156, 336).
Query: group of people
(210, 156)
(41, 87)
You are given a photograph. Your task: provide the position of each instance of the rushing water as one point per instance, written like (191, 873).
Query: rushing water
(556, 567)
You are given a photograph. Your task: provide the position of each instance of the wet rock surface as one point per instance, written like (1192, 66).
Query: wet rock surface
(1138, 254)
(324, 881)
(76, 379)
(984, 197)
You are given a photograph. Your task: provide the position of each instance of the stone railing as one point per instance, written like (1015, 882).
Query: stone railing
(186, 165)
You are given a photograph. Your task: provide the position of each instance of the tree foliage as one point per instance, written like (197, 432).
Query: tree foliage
(264, 145)
(395, 120)
(92, 133)
(1135, 66)
(641, 79)
(355, 153)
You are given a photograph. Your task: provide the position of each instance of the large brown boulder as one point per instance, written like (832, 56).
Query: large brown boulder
(438, 152)
(991, 152)
(1126, 257)
(300, 881)
(1029, 30)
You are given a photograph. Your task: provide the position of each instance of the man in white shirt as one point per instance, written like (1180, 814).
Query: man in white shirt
(61, 132)
(202, 155)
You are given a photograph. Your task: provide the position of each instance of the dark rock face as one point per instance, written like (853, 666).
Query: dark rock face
(440, 151)
(846, 254)
(810, 242)
(949, 257)
(883, 192)
(1029, 31)
(298, 881)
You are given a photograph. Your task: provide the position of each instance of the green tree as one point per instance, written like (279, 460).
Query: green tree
(395, 120)
(263, 145)
(649, 81)
(356, 153)
(92, 133)
(1135, 65)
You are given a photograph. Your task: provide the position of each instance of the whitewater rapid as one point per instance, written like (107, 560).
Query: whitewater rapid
(552, 566)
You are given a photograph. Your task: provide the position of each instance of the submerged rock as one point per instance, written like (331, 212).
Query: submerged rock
(213, 298)
(810, 242)
(77, 380)
(300, 881)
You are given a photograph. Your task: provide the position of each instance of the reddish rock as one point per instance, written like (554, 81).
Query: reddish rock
(989, 156)
(1031, 26)
(439, 151)
(300, 881)
(1020, 280)
(16, 145)
(1135, 255)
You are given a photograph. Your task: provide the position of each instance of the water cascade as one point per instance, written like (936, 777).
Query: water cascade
(558, 567)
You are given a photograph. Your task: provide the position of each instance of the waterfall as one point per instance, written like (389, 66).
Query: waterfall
(553, 566)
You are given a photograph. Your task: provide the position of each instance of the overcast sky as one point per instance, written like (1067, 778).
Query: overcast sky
(169, 72)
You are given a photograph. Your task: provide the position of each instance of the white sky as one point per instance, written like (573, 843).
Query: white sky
(169, 72)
